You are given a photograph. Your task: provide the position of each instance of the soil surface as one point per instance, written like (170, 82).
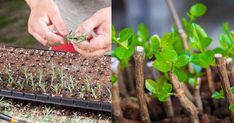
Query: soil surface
(56, 73)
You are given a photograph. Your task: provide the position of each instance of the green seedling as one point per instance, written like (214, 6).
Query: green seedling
(20, 83)
(10, 80)
(56, 88)
(76, 38)
(99, 88)
(87, 85)
(41, 83)
(70, 85)
(109, 91)
(62, 77)
(32, 81)
(160, 89)
(226, 42)
(53, 73)
(220, 94)
(26, 75)
(82, 92)
(46, 114)
(94, 93)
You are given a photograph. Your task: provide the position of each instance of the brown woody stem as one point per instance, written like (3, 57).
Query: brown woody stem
(221, 65)
(197, 96)
(122, 86)
(185, 102)
(169, 107)
(131, 85)
(210, 80)
(139, 58)
(116, 105)
(230, 71)
(183, 37)
(179, 26)
(187, 92)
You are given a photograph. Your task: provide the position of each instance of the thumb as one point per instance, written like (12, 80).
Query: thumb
(89, 25)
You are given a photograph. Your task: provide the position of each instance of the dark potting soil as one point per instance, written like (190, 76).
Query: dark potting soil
(214, 111)
(59, 73)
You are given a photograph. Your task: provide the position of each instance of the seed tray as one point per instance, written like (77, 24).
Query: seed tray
(88, 74)
(62, 101)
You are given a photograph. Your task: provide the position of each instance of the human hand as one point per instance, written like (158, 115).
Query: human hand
(43, 19)
(98, 44)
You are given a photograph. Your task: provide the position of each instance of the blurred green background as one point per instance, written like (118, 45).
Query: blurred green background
(13, 25)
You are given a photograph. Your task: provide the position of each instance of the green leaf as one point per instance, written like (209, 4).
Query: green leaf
(162, 66)
(192, 81)
(143, 33)
(205, 42)
(226, 27)
(166, 40)
(113, 32)
(225, 42)
(231, 107)
(218, 95)
(198, 10)
(161, 89)
(122, 53)
(113, 79)
(151, 85)
(182, 61)
(232, 89)
(200, 40)
(154, 42)
(119, 52)
(202, 60)
(168, 55)
(181, 75)
(201, 32)
(125, 34)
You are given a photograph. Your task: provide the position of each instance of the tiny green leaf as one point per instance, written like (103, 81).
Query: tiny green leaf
(182, 76)
(143, 33)
(161, 89)
(182, 61)
(125, 34)
(226, 27)
(202, 60)
(231, 107)
(113, 79)
(198, 10)
(162, 66)
(113, 31)
(150, 85)
(218, 95)
(168, 55)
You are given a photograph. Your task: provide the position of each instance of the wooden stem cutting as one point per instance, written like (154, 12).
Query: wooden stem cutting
(183, 37)
(210, 79)
(185, 102)
(221, 65)
(168, 106)
(116, 105)
(139, 58)
(230, 71)
(197, 96)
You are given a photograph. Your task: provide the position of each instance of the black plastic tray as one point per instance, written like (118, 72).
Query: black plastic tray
(62, 101)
